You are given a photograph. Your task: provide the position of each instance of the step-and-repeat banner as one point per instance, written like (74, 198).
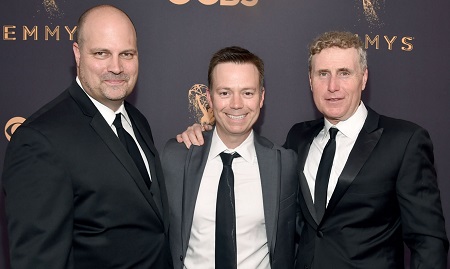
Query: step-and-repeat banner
(408, 45)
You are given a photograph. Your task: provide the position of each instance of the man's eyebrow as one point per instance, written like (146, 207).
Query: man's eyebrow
(129, 50)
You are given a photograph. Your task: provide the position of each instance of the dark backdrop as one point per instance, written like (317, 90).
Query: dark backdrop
(408, 44)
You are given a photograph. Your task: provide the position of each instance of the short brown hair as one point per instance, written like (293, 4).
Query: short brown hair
(343, 40)
(237, 55)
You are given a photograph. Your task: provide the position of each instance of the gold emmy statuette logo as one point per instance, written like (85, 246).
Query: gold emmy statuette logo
(51, 8)
(12, 125)
(198, 105)
(371, 8)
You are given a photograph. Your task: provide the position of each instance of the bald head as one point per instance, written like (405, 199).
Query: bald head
(101, 15)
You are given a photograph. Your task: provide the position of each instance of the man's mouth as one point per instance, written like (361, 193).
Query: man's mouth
(114, 81)
(236, 117)
(334, 99)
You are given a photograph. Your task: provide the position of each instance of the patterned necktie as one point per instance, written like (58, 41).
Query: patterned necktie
(323, 174)
(226, 257)
(132, 149)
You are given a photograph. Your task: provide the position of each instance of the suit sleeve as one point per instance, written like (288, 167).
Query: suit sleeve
(39, 203)
(420, 206)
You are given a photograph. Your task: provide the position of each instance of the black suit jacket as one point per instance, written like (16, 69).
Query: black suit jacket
(75, 198)
(279, 182)
(387, 194)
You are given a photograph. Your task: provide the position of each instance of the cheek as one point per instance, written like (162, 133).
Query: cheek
(220, 104)
(258, 104)
(133, 69)
(355, 93)
(92, 69)
(216, 104)
(316, 95)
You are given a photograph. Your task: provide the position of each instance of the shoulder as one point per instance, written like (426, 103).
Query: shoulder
(302, 131)
(390, 124)
(55, 117)
(398, 124)
(402, 132)
(305, 126)
(174, 153)
(402, 129)
(172, 146)
(52, 111)
(285, 153)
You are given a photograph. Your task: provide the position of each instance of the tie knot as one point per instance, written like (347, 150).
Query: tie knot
(333, 132)
(227, 158)
(118, 121)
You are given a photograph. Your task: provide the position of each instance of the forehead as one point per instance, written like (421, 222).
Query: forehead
(109, 27)
(229, 72)
(335, 57)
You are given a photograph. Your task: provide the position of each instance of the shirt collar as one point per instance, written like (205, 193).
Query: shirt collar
(106, 112)
(246, 149)
(351, 126)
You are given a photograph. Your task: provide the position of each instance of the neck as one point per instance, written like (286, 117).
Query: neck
(233, 141)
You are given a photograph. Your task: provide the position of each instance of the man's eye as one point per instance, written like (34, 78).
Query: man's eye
(127, 55)
(100, 54)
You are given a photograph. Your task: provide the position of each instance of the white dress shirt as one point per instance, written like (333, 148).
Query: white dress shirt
(345, 140)
(251, 237)
(110, 116)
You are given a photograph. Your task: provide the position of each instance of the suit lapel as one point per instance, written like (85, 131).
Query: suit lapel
(193, 172)
(364, 145)
(158, 192)
(270, 173)
(303, 150)
(307, 198)
(105, 132)
(151, 159)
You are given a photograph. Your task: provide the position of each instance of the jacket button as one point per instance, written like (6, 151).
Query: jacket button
(181, 257)
(319, 234)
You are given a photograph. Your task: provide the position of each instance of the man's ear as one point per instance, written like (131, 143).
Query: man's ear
(365, 78)
(76, 52)
(209, 98)
(310, 81)
(261, 103)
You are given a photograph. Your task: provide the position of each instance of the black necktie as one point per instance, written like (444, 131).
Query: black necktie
(226, 216)
(132, 148)
(323, 174)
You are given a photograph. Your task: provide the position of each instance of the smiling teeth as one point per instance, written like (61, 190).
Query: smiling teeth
(236, 117)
